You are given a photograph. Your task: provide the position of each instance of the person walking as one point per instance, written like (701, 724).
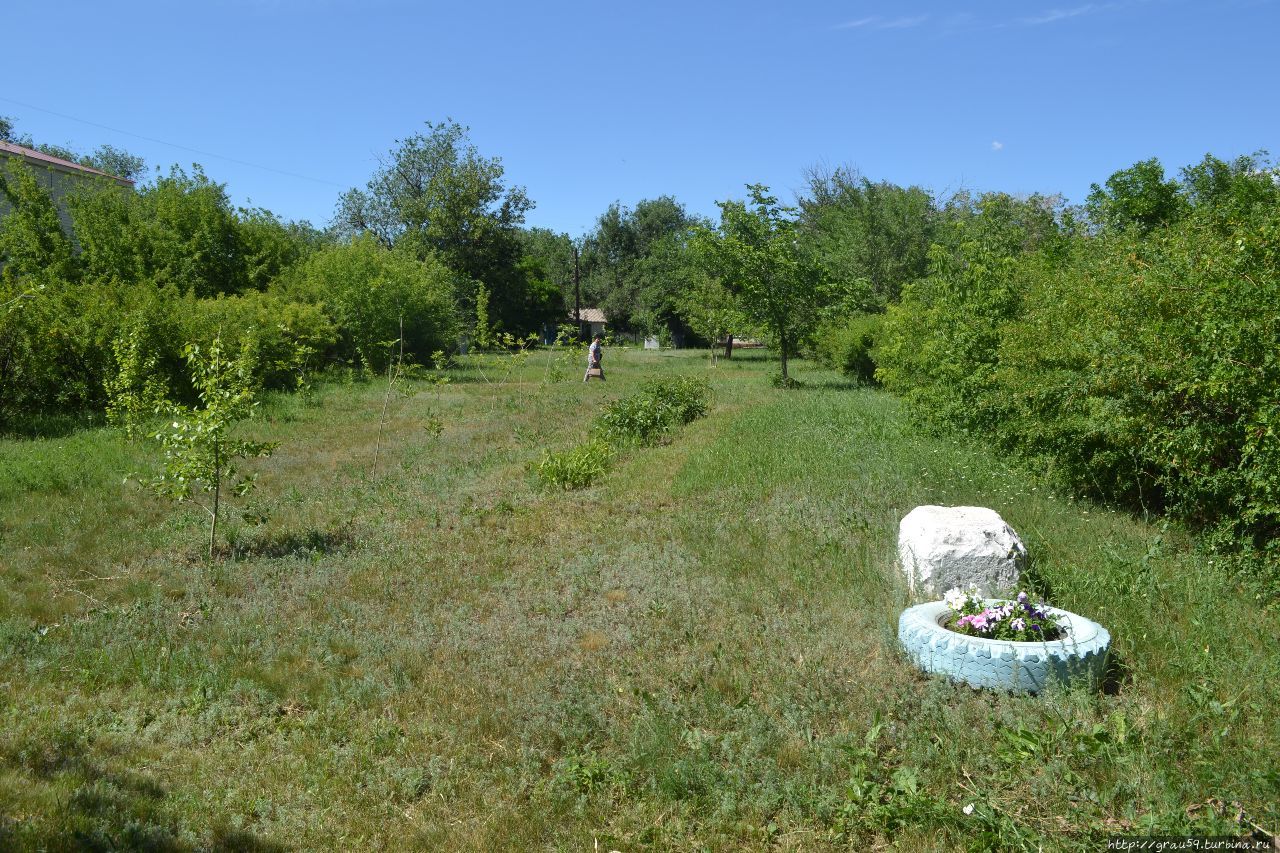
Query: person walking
(594, 368)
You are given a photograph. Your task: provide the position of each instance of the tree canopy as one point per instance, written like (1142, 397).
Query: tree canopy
(756, 251)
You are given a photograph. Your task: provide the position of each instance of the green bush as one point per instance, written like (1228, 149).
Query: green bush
(1142, 367)
(848, 345)
(1148, 369)
(368, 291)
(687, 397)
(659, 406)
(56, 344)
(288, 336)
(577, 467)
(637, 419)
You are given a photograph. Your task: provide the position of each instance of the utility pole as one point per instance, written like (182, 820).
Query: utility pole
(577, 292)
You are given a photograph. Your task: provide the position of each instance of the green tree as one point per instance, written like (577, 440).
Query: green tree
(634, 262)
(940, 345)
(116, 161)
(757, 251)
(1138, 197)
(435, 194)
(268, 246)
(1230, 192)
(8, 133)
(872, 238)
(548, 265)
(190, 234)
(33, 246)
(111, 230)
(367, 289)
(711, 312)
(200, 453)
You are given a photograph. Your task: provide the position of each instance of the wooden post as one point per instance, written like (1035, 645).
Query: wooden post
(577, 292)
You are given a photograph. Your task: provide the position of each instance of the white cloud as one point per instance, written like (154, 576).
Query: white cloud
(996, 145)
(1060, 14)
(875, 22)
(902, 23)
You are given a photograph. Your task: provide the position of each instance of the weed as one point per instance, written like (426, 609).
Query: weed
(577, 467)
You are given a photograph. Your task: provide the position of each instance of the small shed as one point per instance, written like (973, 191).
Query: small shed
(593, 318)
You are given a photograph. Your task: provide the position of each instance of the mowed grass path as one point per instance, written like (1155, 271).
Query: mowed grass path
(697, 653)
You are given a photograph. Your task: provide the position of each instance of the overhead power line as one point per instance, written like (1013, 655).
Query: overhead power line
(174, 144)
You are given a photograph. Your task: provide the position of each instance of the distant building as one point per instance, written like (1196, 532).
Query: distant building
(58, 176)
(593, 318)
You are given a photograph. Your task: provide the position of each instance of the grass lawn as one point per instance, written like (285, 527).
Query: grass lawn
(698, 652)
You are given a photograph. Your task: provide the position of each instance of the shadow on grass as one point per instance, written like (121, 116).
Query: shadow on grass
(49, 426)
(1117, 675)
(1036, 582)
(753, 354)
(106, 809)
(286, 543)
(838, 384)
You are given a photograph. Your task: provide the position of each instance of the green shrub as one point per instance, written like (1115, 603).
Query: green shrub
(848, 345)
(785, 383)
(659, 406)
(368, 291)
(136, 392)
(687, 397)
(287, 335)
(56, 343)
(577, 467)
(637, 419)
(1140, 367)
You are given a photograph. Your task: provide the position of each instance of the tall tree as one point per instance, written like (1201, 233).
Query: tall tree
(633, 260)
(552, 252)
(1231, 191)
(757, 251)
(192, 235)
(116, 161)
(872, 237)
(1139, 197)
(9, 134)
(436, 194)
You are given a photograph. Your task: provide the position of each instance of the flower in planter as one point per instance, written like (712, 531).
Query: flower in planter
(1019, 620)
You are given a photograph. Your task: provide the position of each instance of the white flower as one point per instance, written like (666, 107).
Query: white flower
(968, 809)
(955, 599)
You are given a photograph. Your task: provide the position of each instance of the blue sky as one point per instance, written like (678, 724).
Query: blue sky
(588, 103)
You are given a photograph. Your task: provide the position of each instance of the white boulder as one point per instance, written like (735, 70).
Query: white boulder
(941, 547)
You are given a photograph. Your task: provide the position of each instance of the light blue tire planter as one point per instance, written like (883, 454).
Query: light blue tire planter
(1078, 657)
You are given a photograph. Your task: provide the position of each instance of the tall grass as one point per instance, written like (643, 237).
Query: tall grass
(696, 652)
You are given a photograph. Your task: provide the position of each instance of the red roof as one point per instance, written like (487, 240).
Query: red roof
(48, 160)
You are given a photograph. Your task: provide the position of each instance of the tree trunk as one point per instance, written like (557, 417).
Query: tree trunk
(728, 346)
(217, 494)
(782, 342)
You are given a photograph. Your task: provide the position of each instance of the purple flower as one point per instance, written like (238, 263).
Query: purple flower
(1022, 598)
(1018, 624)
